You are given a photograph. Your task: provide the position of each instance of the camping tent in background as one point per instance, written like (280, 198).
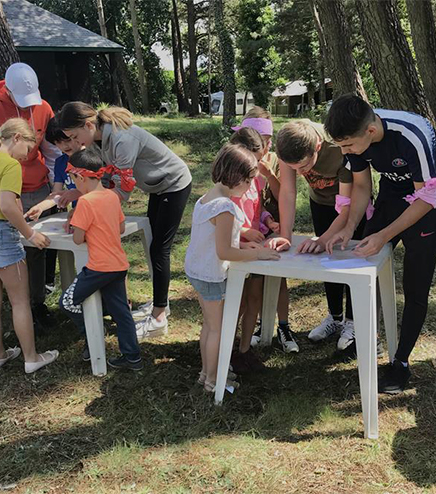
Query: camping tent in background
(217, 102)
(292, 100)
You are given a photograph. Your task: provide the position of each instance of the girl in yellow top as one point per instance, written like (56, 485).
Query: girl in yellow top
(16, 141)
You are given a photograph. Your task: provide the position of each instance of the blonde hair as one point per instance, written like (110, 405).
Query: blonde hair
(15, 126)
(257, 112)
(76, 113)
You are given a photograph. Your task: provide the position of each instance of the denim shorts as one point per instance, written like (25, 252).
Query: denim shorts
(11, 248)
(209, 290)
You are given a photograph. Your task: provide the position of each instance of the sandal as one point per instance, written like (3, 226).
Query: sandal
(202, 377)
(11, 354)
(209, 386)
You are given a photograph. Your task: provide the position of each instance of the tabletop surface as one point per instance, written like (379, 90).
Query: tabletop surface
(340, 260)
(52, 226)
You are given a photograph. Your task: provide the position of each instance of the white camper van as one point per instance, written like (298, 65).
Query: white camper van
(217, 100)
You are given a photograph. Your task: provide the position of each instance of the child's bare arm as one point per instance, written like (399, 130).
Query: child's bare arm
(223, 242)
(35, 211)
(78, 236)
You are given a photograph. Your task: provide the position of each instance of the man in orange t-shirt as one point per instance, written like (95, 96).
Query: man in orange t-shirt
(20, 97)
(98, 220)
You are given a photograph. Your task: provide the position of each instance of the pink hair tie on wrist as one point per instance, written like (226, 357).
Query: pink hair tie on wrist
(426, 194)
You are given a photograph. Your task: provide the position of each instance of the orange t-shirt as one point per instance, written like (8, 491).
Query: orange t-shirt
(99, 214)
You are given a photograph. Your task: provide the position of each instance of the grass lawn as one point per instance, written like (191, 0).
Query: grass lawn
(296, 428)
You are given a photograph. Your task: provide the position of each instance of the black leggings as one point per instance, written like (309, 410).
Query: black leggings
(419, 242)
(165, 212)
(322, 218)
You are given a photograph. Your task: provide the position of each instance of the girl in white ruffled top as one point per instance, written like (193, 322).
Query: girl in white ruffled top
(216, 226)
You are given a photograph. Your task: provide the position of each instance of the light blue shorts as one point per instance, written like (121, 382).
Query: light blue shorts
(209, 291)
(11, 248)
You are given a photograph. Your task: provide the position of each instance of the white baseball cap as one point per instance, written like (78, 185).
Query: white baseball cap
(22, 82)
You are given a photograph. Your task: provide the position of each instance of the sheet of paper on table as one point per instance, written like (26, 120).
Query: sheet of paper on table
(54, 225)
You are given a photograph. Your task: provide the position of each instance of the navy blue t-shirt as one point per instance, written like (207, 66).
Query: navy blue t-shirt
(61, 176)
(406, 154)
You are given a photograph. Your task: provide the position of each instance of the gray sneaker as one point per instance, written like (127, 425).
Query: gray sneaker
(328, 327)
(146, 309)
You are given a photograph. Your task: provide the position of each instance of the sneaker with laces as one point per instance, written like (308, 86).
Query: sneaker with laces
(146, 309)
(286, 338)
(123, 362)
(347, 335)
(257, 335)
(150, 328)
(328, 327)
(395, 378)
(86, 356)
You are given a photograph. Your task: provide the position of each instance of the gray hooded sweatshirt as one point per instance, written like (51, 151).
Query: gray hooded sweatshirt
(155, 167)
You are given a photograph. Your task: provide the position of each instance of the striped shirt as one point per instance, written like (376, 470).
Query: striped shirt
(406, 154)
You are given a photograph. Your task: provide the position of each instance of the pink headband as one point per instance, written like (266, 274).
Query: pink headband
(262, 125)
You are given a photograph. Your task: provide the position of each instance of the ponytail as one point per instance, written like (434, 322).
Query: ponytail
(118, 117)
(74, 115)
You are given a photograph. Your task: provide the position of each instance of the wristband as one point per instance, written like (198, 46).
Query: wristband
(32, 236)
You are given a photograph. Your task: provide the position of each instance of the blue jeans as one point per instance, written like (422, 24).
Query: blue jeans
(112, 287)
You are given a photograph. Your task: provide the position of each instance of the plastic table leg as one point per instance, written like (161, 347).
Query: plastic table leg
(271, 289)
(235, 285)
(67, 268)
(386, 277)
(364, 299)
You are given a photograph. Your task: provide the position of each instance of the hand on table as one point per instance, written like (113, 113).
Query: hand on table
(278, 243)
(250, 245)
(34, 213)
(252, 235)
(67, 226)
(265, 254)
(343, 237)
(310, 246)
(39, 240)
(370, 246)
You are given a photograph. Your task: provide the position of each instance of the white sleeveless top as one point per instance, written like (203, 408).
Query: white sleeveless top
(202, 262)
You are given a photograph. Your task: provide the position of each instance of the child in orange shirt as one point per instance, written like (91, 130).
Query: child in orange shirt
(107, 267)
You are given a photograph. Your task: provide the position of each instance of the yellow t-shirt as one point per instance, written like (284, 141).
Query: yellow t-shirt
(10, 176)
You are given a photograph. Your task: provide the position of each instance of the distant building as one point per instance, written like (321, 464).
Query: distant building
(292, 100)
(58, 50)
(217, 102)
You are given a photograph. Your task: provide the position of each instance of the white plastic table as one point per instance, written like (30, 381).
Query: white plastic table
(72, 258)
(341, 267)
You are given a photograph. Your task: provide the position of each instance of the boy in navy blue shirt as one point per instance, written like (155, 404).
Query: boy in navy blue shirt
(401, 146)
(58, 197)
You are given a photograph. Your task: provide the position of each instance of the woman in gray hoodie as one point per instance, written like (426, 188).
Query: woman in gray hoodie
(137, 155)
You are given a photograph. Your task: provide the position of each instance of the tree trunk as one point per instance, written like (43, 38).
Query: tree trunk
(139, 59)
(209, 56)
(180, 51)
(392, 64)
(8, 53)
(424, 40)
(123, 72)
(228, 64)
(182, 102)
(111, 61)
(322, 52)
(342, 65)
(192, 45)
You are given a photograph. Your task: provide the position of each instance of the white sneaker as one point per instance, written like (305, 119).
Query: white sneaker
(347, 335)
(146, 309)
(287, 340)
(327, 328)
(150, 328)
